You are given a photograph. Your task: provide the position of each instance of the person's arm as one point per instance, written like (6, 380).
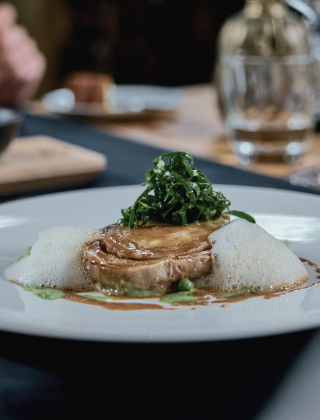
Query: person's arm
(22, 65)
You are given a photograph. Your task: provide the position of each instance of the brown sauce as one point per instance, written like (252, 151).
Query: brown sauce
(203, 297)
(298, 289)
(312, 264)
(155, 240)
(207, 298)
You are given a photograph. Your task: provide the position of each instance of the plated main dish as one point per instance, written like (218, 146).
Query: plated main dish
(176, 245)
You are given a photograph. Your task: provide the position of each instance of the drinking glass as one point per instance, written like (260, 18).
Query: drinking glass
(269, 106)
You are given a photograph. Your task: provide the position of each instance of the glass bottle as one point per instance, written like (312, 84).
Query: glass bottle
(265, 82)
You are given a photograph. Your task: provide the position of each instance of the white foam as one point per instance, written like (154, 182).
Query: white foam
(56, 259)
(248, 256)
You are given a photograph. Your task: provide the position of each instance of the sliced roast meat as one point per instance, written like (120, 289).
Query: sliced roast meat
(152, 256)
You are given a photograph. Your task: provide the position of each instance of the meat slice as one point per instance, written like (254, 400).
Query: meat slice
(153, 256)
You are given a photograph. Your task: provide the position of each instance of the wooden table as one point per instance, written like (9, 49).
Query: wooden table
(197, 127)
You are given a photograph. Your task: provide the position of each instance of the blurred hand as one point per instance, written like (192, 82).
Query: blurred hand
(22, 65)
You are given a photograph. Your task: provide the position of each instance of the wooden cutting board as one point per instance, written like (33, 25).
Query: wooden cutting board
(37, 162)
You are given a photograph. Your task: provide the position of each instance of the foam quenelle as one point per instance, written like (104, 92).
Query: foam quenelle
(247, 256)
(55, 260)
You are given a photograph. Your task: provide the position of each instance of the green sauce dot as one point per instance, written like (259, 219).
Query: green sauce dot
(185, 285)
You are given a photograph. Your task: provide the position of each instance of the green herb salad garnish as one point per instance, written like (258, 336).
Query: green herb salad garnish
(177, 193)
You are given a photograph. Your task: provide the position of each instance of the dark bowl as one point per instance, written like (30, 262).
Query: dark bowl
(9, 123)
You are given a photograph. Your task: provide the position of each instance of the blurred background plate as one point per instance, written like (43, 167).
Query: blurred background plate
(123, 100)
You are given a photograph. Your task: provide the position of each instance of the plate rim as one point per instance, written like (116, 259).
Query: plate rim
(113, 187)
(14, 326)
(158, 338)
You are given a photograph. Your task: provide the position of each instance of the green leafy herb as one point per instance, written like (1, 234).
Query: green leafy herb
(176, 193)
(241, 214)
(286, 242)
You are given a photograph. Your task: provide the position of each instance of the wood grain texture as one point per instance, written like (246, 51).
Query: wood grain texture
(40, 162)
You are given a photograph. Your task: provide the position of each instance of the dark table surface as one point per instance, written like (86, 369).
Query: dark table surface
(42, 378)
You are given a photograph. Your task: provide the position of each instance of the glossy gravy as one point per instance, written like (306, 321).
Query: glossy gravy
(202, 297)
(158, 240)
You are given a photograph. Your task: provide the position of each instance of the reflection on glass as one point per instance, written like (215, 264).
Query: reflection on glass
(269, 105)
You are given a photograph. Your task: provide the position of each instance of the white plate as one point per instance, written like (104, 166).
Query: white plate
(124, 99)
(287, 215)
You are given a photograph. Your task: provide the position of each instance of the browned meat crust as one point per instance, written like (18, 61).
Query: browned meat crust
(152, 257)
